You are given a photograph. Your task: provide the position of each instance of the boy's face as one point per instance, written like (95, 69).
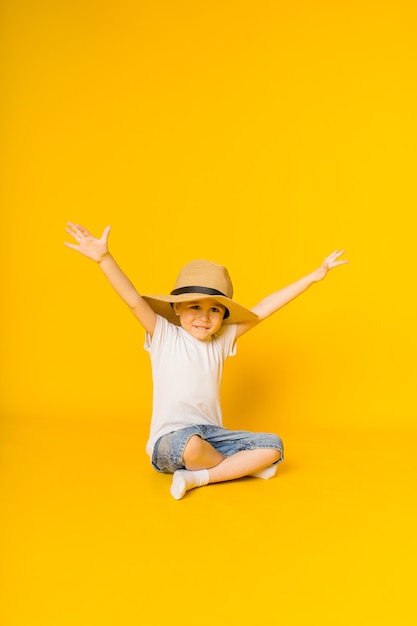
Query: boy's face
(200, 318)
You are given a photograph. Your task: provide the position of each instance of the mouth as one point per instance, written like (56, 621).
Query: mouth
(201, 328)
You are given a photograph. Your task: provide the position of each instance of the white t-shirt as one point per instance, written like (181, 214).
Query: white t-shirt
(186, 377)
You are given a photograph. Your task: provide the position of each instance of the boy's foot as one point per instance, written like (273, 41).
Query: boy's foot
(184, 480)
(266, 472)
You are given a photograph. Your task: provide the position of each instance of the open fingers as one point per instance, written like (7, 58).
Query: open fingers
(77, 230)
(83, 231)
(331, 260)
(73, 230)
(73, 233)
(337, 254)
(334, 255)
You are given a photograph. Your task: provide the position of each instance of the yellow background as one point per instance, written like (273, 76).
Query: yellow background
(261, 136)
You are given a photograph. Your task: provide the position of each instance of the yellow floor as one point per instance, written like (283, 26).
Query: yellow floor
(92, 536)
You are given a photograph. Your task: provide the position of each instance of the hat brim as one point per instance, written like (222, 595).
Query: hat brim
(161, 304)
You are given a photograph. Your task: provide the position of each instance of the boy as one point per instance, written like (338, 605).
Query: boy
(189, 334)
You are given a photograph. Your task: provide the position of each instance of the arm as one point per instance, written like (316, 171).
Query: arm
(278, 299)
(97, 250)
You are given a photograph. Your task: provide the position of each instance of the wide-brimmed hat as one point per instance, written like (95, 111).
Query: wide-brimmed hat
(197, 280)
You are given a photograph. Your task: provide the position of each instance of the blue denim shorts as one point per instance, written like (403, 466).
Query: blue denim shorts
(168, 452)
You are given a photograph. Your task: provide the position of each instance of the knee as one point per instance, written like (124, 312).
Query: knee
(272, 446)
(192, 450)
(274, 456)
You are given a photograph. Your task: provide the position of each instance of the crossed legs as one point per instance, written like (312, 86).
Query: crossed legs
(204, 464)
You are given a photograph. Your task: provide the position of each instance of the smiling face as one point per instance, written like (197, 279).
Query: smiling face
(200, 318)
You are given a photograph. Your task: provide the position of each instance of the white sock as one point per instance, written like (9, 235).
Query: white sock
(266, 472)
(184, 480)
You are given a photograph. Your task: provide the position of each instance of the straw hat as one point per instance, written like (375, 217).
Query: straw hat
(197, 280)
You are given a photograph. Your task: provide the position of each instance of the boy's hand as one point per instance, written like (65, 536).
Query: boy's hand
(329, 263)
(89, 246)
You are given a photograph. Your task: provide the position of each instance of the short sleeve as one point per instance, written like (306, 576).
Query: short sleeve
(152, 342)
(228, 340)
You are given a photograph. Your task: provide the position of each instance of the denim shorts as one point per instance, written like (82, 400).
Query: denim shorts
(168, 452)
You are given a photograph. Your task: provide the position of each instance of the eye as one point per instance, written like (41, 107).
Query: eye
(196, 307)
(215, 309)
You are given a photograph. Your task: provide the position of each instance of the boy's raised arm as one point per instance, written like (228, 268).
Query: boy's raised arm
(97, 250)
(280, 298)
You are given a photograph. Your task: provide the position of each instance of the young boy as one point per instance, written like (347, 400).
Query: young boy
(189, 334)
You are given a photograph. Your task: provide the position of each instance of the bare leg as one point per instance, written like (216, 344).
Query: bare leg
(199, 454)
(243, 463)
(206, 465)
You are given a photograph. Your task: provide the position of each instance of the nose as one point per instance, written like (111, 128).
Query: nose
(204, 314)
